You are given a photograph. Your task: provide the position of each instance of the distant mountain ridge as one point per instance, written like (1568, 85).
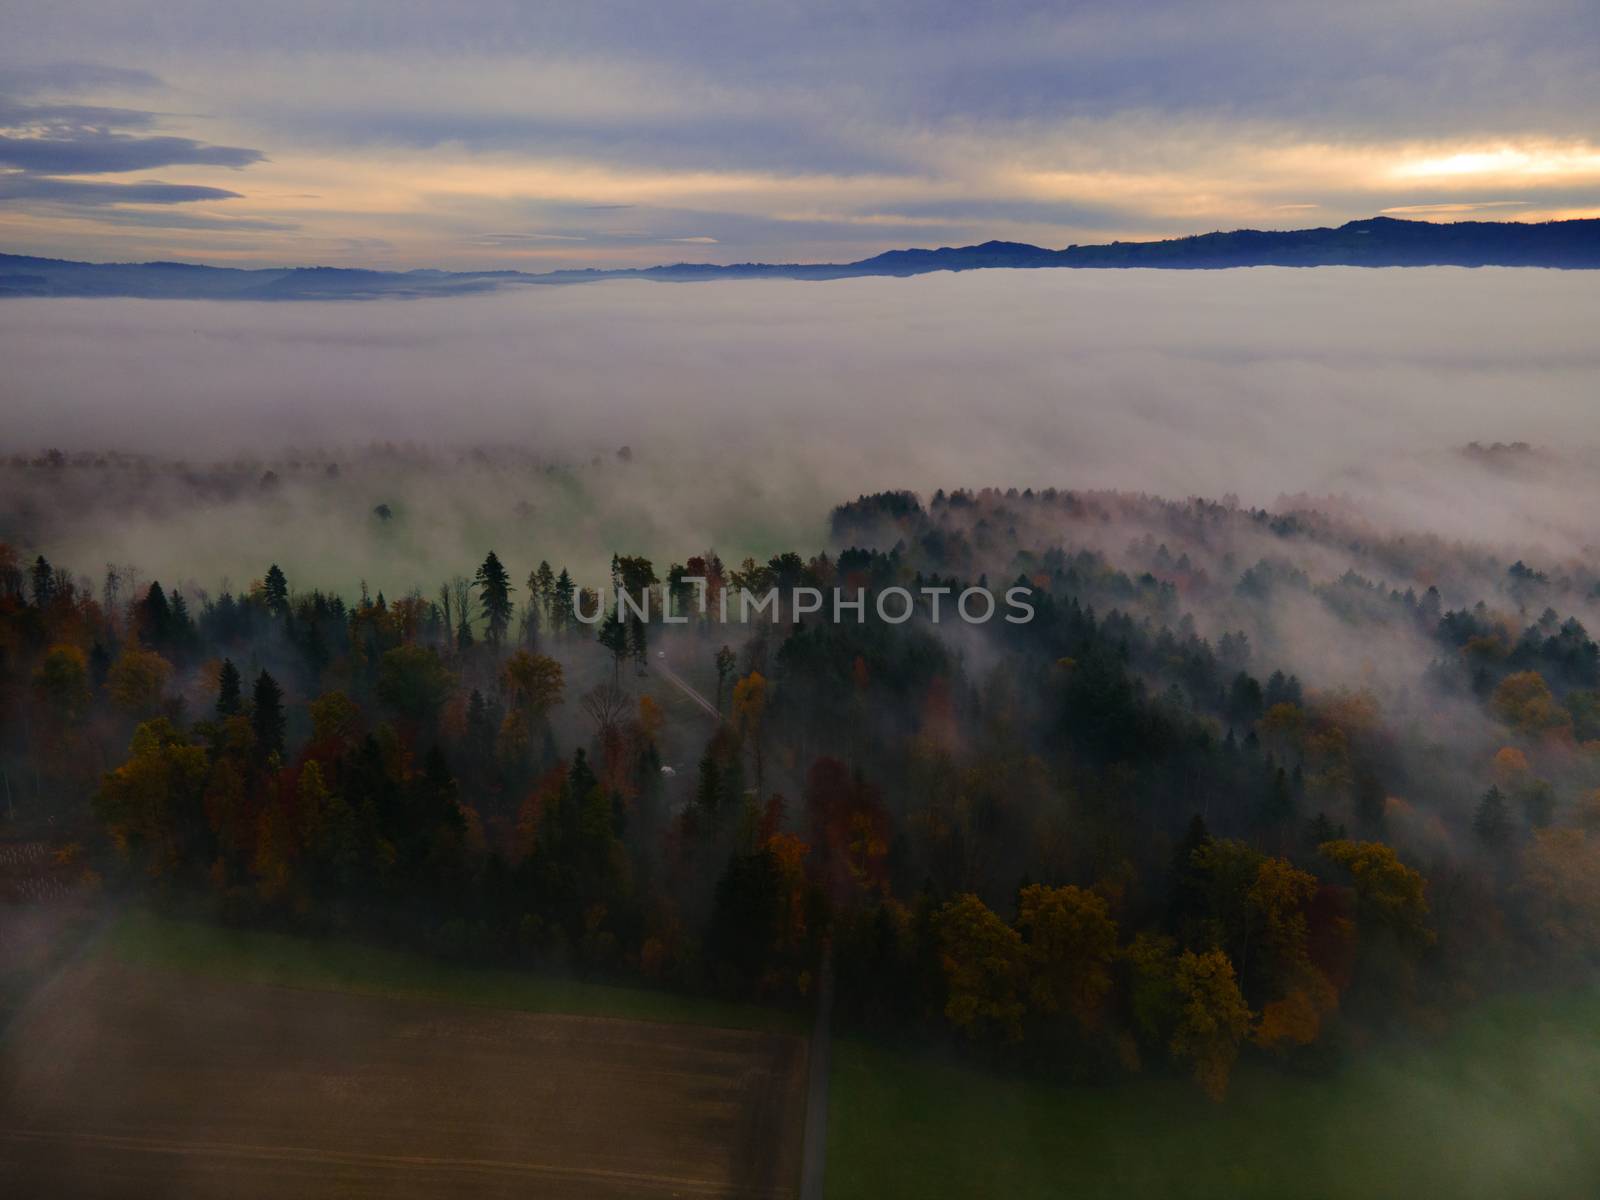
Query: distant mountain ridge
(1375, 242)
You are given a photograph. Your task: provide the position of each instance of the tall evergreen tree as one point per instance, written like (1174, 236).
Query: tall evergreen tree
(638, 642)
(276, 590)
(44, 581)
(228, 689)
(1492, 819)
(613, 636)
(267, 716)
(542, 588)
(155, 619)
(494, 595)
(561, 601)
(725, 664)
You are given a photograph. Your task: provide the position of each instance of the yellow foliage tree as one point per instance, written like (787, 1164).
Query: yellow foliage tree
(1561, 887)
(1524, 702)
(1071, 945)
(334, 717)
(150, 801)
(1387, 890)
(138, 680)
(982, 958)
(535, 682)
(749, 706)
(1212, 1019)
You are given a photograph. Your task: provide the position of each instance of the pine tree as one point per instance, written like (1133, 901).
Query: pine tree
(708, 792)
(494, 595)
(228, 688)
(276, 590)
(155, 619)
(561, 599)
(638, 642)
(1492, 819)
(725, 665)
(542, 590)
(1319, 830)
(613, 636)
(266, 715)
(44, 582)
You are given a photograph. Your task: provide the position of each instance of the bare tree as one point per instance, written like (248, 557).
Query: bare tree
(606, 704)
(447, 608)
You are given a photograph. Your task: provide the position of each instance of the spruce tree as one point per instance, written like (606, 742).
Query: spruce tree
(266, 715)
(561, 602)
(276, 590)
(1492, 819)
(228, 689)
(494, 595)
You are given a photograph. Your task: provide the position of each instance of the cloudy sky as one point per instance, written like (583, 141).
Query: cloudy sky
(402, 134)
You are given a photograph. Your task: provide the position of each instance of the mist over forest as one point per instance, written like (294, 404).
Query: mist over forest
(1296, 767)
(864, 601)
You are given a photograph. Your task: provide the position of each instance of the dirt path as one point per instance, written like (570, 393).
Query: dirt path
(814, 1155)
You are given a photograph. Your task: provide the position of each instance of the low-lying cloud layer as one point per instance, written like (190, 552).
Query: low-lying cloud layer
(752, 407)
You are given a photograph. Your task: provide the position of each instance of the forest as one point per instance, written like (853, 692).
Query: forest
(1266, 783)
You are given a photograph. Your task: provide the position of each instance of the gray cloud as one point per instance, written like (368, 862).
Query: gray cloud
(26, 79)
(51, 140)
(96, 152)
(23, 186)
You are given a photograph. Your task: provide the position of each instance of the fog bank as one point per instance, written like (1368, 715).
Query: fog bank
(754, 406)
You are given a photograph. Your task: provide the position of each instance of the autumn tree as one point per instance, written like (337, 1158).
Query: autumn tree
(534, 682)
(153, 803)
(335, 718)
(749, 708)
(137, 681)
(1389, 893)
(1524, 702)
(1070, 946)
(1212, 1019)
(984, 969)
(1561, 893)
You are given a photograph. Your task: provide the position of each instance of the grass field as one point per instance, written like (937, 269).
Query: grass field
(383, 1071)
(1506, 1106)
(179, 1060)
(141, 938)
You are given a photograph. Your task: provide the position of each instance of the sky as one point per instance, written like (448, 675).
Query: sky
(482, 134)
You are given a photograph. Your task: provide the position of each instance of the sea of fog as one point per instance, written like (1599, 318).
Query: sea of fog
(753, 406)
